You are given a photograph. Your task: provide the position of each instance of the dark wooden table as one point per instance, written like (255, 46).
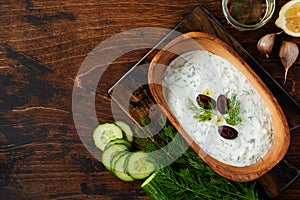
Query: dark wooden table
(43, 44)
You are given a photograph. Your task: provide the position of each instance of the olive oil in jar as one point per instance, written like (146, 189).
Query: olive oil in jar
(247, 12)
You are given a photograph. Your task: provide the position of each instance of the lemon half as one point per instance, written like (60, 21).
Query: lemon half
(289, 18)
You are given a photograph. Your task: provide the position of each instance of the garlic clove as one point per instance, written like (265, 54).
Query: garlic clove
(288, 54)
(266, 43)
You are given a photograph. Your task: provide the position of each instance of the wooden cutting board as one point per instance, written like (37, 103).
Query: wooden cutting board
(131, 93)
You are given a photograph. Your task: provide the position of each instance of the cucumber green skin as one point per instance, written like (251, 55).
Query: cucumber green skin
(111, 151)
(115, 158)
(101, 139)
(120, 141)
(126, 129)
(137, 158)
(154, 189)
(119, 168)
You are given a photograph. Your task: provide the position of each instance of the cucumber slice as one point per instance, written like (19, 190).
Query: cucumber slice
(119, 168)
(120, 141)
(126, 129)
(110, 152)
(115, 158)
(139, 165)
(104, 133)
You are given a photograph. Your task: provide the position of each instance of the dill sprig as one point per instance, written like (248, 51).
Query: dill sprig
(233, 111)
(170, 147)
(189, 177)
(145, 138)
(199, 112)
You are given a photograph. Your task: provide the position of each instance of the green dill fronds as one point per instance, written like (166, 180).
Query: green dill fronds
(233, 111)
(145, 121)
(189, 177)
(200, 113)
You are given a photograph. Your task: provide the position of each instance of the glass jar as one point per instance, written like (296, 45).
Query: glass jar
(248, 14)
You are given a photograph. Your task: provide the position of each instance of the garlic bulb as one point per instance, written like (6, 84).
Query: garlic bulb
(288, 54)
(266, 43)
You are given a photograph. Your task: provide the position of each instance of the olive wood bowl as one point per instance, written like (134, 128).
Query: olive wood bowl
(199, 40)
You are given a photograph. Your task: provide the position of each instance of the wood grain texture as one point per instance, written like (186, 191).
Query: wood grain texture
(42, 46)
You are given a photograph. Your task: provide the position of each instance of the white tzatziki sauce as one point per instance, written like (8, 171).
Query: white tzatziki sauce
(201, 72)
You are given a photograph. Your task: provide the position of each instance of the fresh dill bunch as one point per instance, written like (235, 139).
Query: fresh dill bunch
(144, 137)
(165, 147)
(189, 177)
(233, 111)
(199, 112)
(199, 181)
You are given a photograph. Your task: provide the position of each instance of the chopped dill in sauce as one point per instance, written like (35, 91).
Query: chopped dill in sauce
(203, 72)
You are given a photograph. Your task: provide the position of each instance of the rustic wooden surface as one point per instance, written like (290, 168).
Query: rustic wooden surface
(43, 44)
